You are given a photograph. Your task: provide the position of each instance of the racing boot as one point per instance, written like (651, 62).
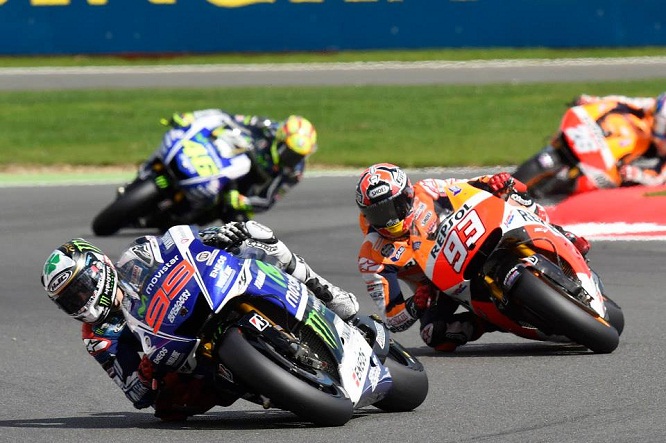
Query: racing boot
(446, 336)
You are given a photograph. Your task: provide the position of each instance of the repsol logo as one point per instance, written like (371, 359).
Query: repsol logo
(445, 227)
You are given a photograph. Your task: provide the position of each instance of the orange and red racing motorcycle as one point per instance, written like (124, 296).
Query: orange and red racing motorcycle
(593, 141)
(519, 273)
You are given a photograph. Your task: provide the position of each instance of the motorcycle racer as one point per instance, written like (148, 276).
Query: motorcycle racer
(277, 151)
(651, 108)
(83, 282)
(390, 208)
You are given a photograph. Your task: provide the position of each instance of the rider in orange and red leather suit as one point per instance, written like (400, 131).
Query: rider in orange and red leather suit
(648, 108)
(390, 207)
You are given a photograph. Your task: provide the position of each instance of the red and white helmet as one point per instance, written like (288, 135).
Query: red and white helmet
(385, 195)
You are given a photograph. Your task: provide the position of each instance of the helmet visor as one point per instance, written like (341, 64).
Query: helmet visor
(286, 157)
(389, 212)
(78, 293)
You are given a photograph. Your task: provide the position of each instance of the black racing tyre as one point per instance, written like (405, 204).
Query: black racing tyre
(410, 381)
(563, 315)
(323, 407)
(615, 314)
(140, 198)
(538, 179)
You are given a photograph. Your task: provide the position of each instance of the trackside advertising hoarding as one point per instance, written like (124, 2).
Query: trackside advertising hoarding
(36, 27)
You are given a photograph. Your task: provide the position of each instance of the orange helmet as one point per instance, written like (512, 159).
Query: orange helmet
(385, 195)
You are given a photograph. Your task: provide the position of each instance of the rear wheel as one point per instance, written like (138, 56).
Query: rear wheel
(139, 199)
(410, 382)
(258, 367)
(561, 314)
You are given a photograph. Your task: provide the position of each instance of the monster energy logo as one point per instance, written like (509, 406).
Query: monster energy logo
(161, 182)
(83, 246)
(142, 309)
(274, 273)
(319, 325)
(109, 284)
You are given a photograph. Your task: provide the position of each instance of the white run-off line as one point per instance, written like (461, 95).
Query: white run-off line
(619, 231)
(350, 66)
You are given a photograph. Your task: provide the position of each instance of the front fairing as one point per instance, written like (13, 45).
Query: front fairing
(173, 284)
(199, 164)
(600, 138)
(479, 224)
(445, 255)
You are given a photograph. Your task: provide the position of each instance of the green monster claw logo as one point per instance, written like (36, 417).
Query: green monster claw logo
(161, 182)
(84, 246)
(142, 309)
(51, 263)
(273, 272)
(317, 323)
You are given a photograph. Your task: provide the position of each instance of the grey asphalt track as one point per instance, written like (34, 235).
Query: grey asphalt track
(498, 389)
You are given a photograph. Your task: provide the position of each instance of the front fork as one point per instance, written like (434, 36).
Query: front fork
(495, 288)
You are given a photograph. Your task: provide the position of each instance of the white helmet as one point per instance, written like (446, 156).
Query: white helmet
(81, 280)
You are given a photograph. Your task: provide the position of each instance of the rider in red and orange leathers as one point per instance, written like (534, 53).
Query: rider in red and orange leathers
(649, 108)
(390, 206)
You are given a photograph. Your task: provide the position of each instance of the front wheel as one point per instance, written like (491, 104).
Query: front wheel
(615, 314)
(409, 386)
(539, 174)
(326, 405)
(561, 314)
(140, 198)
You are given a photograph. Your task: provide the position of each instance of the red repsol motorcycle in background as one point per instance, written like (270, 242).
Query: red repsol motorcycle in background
(586, 152)
(516, 271)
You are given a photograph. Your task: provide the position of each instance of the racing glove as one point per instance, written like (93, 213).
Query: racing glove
(417, 304)
(423, 296)
(145, 372)
(584, 99)
(237, 201)
(226, 236)
(501, 183)
(178, 120)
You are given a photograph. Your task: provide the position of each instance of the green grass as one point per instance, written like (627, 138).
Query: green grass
(410, 125)
(415, 126)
